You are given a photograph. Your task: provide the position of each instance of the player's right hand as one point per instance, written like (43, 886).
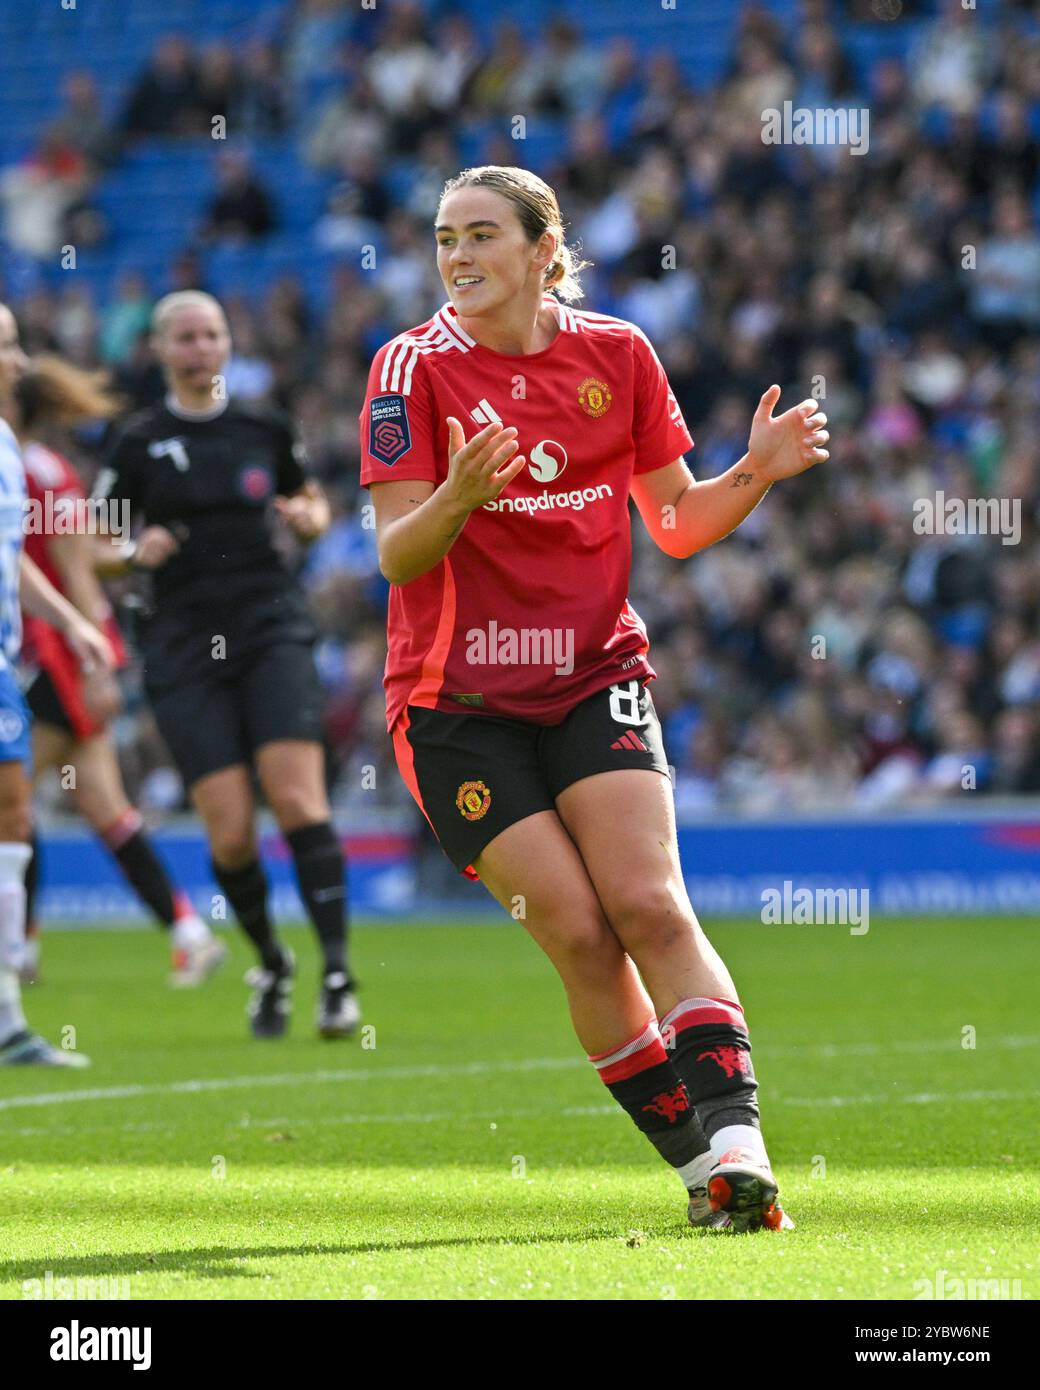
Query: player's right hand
(89, 644)
(478, 469)
(155, 545)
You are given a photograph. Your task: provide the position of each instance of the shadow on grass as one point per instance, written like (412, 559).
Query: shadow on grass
(217, 1262)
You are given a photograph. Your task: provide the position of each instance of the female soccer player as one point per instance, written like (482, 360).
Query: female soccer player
(71, 708)
(517, 670)
(20, 580)
(228, 650)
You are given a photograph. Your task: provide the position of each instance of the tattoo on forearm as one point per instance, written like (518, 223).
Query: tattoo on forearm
(742, 479)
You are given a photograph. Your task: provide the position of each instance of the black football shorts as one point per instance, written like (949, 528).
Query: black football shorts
(218, 721)
(474, 775)
(45, 704)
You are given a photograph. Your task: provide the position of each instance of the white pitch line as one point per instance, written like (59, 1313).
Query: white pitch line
(290, 1122)
(867, 1049)
(232, 1083)
(922, 1098)
(502, 1116)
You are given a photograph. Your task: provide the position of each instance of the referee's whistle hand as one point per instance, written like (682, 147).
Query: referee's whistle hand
(154, 547)
(306, 515)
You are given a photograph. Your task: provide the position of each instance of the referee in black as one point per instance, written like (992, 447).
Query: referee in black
(227, 645)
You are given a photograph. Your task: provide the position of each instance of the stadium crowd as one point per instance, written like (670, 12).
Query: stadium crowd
(831, 653)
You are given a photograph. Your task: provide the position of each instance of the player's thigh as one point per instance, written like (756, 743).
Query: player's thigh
(480, 785)
(52, 747)
(281, 701)
(535, 871)
(15, 796)
(292, 775)
(52, 730)
(99, 791)
(607, 767)
(224, 799)
(472, 776)
(623, 824)
(200, 722)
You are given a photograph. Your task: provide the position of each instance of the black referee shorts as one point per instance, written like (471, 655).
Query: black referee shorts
(214, 720)
(475, 775)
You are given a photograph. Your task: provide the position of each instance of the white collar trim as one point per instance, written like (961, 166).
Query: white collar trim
(550, 300)
(182, 412)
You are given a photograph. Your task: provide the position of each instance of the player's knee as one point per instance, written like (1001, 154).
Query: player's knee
(15, 828)
(294, 806)
(582, 943)
(233, 847)
(15, 821)
(652, 917)
(97, 810)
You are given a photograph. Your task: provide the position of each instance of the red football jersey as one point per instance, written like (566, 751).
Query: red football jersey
(528, 613)
(49, 474)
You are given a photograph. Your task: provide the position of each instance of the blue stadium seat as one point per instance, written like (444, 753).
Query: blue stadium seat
(157, 195)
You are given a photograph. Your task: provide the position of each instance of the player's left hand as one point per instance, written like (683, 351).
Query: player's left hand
(306, 513)
(90, 646)
(790, 443)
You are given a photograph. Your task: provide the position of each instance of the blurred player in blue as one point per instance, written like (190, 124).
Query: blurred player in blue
(22, 584)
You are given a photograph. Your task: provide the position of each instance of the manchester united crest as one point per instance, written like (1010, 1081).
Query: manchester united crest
(473, 800)
(594, 397)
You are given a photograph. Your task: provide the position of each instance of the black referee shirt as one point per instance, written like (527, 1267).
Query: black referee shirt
(210, 481)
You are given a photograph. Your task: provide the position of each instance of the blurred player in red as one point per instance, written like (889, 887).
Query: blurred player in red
(23, 586)
(502, 440)
(71, 709)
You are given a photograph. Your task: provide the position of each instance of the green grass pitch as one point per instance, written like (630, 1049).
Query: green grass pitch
(473, 1153)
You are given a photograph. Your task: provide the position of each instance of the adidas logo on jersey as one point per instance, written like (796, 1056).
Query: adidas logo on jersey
(630, 742)
(485, 413)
